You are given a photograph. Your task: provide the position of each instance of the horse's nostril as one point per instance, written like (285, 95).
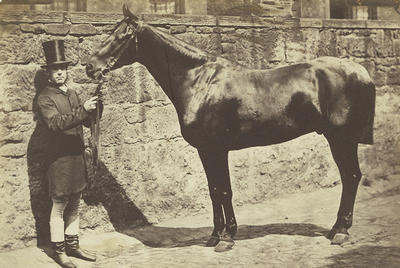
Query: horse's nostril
(89, 69)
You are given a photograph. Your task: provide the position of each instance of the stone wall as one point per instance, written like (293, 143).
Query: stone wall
(148, 173)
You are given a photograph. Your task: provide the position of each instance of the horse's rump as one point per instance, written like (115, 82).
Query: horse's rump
(363, 99)
(347, 99)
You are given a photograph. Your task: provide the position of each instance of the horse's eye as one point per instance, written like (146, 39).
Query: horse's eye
(129, 30)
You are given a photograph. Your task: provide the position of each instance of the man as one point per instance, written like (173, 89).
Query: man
(63, 114)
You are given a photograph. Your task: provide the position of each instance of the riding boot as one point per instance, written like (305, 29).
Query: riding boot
(73, 249)
(60, 257)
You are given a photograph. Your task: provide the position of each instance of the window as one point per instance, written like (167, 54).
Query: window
(51, 5)
(364, 9)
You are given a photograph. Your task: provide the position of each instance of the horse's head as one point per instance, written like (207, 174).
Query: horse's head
(118, 49)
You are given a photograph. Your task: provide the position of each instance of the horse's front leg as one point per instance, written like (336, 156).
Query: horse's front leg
(215, 164)
(345, 156)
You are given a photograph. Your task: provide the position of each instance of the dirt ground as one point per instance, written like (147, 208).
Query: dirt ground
(284, 232)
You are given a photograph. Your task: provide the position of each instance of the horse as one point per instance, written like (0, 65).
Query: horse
(224, 106)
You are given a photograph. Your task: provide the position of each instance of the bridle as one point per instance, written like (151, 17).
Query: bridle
(133, 33)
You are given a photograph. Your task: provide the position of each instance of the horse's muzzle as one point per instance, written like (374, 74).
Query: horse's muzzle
(89, 70)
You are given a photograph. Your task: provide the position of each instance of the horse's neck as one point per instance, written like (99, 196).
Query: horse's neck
(168, 59)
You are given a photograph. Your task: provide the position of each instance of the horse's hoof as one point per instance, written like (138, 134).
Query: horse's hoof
(331, 234)
(224, 245)
(213, 241)
(339, 239)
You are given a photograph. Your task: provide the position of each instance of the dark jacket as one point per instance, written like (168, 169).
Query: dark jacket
(63, 114)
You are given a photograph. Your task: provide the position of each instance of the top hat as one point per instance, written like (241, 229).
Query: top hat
(54, 53)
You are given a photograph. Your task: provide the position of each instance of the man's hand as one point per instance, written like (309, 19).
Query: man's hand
(90, 104)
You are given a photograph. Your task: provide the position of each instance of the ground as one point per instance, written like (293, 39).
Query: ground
(284, 232)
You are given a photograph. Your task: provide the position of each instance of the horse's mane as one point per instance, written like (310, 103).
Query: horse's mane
(181, 46)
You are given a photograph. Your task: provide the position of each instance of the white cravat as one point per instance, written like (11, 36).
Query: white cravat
(64, 88)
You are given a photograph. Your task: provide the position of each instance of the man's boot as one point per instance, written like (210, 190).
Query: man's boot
(60, 256)
(73, 249)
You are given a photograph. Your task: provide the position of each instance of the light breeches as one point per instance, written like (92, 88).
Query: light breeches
(64, 208)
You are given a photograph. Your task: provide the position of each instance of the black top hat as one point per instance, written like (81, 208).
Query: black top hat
(54, 53)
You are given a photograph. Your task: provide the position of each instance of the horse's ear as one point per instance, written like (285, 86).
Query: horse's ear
(127, 13)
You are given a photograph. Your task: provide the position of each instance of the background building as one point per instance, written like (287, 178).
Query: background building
(337, 9)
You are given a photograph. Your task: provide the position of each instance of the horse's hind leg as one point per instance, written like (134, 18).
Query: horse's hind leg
(345, 155)
(215, 164)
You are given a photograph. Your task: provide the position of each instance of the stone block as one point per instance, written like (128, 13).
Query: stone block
(382, 24)
(204, 30)
(393, 76)
(16, 50)
(177, 29)
(396, 47)
(13, 150)
(341, 23)
(88, 45)
(135, 114)
(83, 29)
(57, 29)
(380, 78)
(327, 43)
(78, 75)
(383, 40)
(18, 87)
(228, 38)
(295, 52)
(209, 43)
(310, 23)
(105, 29)
(228, 48)
(357, 46)
(32, 28)
(9, 29)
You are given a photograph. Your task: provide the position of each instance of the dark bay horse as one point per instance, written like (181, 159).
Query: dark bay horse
(223, 106)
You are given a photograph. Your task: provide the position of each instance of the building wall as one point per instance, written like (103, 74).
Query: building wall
(315, 9)
(148, 172)
(281, 8)
(388, 13)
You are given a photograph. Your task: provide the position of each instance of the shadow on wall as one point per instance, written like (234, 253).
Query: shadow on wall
(103, 189)
(36, 163)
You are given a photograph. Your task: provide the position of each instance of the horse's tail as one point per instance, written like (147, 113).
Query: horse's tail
(363, 95)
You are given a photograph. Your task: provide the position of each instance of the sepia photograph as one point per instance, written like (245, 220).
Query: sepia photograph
(199, 133)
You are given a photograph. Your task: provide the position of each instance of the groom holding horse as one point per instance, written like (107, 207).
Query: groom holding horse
(62, 113)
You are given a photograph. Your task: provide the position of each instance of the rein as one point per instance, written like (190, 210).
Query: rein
(95, 133)
(95, 122)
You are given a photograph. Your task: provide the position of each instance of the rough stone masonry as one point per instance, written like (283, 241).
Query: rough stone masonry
(148, 173)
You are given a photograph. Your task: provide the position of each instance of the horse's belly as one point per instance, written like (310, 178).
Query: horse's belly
(238, 135)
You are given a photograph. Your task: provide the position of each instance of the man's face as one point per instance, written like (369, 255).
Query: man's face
(58, 74)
